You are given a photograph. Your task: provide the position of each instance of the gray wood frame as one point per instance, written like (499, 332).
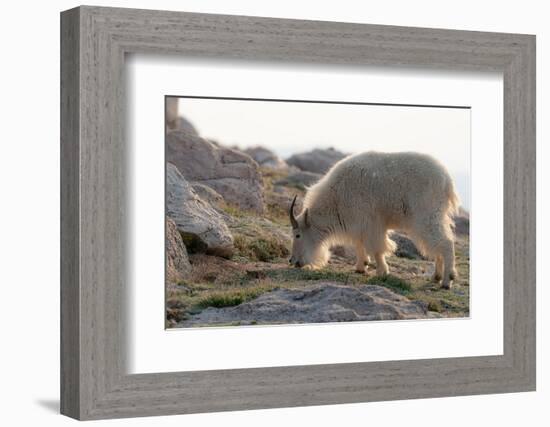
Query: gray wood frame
(94, 42)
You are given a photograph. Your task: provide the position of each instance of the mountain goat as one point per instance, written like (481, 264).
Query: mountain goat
(363, 196)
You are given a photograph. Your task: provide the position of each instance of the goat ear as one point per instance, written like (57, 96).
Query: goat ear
(306, 218)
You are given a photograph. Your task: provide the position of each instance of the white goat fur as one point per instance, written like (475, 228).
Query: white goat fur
(363, 196)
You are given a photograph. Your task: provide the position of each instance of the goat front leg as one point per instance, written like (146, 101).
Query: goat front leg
(381, 265)
(361, 258)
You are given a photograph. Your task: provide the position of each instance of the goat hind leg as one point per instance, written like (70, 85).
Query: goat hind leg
(381, 265)
(361, 257)
(438, 273)
(449, 273)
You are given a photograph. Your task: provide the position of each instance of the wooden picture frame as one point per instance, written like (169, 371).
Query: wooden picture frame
(94, 41)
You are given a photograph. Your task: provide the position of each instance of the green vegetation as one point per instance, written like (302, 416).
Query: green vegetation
(234, 211)
(394, 283)
(434, 305)
(264, 249)
(185, 299)
(230, 297)
(300, 275)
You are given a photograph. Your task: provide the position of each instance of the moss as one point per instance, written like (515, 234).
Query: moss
(394, 283)
(230, 297)
(434, 305)
(221, 300)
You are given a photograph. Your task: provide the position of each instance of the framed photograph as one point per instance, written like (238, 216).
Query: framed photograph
(262, 213)
(231, 259)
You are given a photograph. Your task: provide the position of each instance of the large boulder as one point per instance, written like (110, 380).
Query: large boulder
(177, 263)
(266, 158)
(181, 123)
(462, 222)
(201, 226)
(299, 179)
(405, 247)
(317, 161)
(322, 302)
(208, 194)
(230, 173)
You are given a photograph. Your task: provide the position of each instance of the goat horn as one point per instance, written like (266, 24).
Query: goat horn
(291, 213)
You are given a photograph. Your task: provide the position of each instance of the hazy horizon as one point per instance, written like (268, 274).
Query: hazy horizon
(298, 127)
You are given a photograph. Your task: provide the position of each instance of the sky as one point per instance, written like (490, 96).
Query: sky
(292, 127)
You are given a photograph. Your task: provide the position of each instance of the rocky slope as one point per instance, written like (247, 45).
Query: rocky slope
(231, 173)
(316, 161)
(201, 226)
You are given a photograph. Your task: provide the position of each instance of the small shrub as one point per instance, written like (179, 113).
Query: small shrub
(230, 297)
(268, 250)
(434, 305)
(210, 276)
(220, 300)
(264, 248)
(183, 283)
(175, 310)
(234, 211)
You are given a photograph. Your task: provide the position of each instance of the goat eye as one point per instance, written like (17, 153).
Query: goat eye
(297, 236)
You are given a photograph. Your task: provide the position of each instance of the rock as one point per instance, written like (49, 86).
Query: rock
(322, 302)
(344, 252)
(462, 222)
(207, 194)
(299, 179)
(181, 123)
(174, 120)
(201, 226)
(232, 174)
(214, 199)
(177, 263)
(405, 247)
(280, 202)
(317, 161)
(266, 158)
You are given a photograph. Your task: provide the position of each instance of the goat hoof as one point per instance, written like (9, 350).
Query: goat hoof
(436, 278)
